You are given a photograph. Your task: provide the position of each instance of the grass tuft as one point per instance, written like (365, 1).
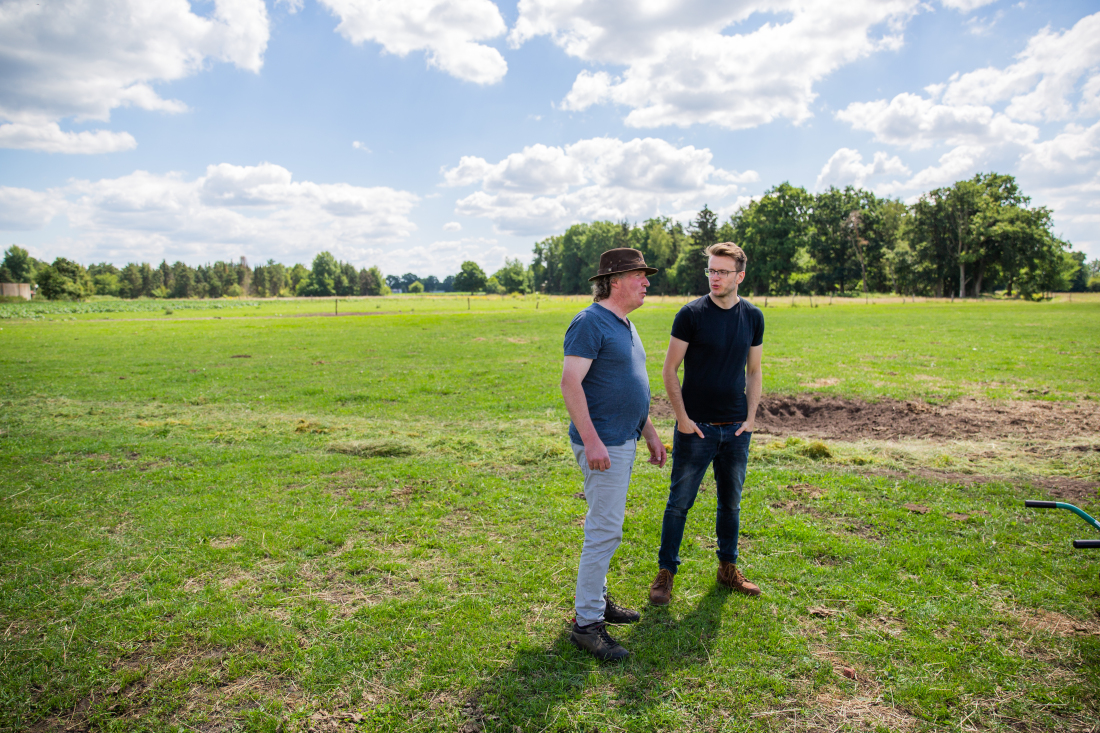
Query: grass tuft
(373, 449)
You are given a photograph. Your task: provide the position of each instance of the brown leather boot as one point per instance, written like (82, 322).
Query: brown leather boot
(731, 577)
(660, 591)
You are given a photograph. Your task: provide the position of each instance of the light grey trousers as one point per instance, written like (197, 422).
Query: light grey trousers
(605, 492)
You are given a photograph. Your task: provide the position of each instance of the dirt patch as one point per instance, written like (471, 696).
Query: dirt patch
(1060, 487)
(841, 418)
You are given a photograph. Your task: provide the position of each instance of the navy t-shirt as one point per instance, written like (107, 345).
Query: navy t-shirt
(616, 386)
(718, 349)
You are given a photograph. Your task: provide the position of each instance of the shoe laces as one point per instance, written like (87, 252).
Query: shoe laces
(601, 631)
(611, 605)
(664, 579)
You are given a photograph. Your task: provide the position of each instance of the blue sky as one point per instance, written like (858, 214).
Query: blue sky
(414, 135)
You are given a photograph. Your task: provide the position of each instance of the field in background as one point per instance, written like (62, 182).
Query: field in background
(370, 521)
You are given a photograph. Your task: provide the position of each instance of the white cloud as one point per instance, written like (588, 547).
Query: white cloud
(846, 168)
(1039, 85)
(686, 63)
(50, 138)
(24, 210)
(965, 6)
(990, 119)
(916, 122)
(231, 209)
(452, 226)
(81, 59)
(544, 189)
(360, 146)
(444, 258)
(448, 30)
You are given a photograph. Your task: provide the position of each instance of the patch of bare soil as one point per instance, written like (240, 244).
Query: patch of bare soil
(841, 418)
(1060, 487)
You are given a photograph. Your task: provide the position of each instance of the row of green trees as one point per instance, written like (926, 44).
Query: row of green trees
(976, 236)
(64, 279)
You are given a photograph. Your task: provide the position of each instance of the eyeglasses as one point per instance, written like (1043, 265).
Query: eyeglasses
(721, 273)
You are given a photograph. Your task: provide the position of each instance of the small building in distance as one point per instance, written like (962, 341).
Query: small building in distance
(21, 290)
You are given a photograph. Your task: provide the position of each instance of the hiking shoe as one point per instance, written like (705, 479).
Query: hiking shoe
(613, 613)
(595, 640)
(660, 591)
(731, 577)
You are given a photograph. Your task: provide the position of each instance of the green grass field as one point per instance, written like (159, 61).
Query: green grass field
(255, 518)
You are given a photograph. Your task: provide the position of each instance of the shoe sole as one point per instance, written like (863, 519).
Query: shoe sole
(659, 605)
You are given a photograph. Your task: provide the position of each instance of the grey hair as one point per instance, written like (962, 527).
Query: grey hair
(601, 286)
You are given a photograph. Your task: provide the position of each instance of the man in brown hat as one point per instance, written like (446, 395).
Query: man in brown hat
(606, 391)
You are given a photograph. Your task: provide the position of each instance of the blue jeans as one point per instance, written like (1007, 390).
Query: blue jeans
(691, 455)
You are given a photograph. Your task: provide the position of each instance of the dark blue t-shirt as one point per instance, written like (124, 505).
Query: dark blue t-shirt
(616, 386)
(718, 349)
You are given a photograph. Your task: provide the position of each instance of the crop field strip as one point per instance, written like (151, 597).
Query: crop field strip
(372, 523)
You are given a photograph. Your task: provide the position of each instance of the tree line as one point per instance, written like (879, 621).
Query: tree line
(974, 237)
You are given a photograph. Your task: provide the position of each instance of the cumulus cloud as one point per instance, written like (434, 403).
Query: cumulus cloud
(452, 226)
(916, 122)
(230, 209)
(846, 168)
(686, 62)
(966, 6)
(24, 210)
(992, 119)
(1039, 86)
(447, 30)
(50, 138)
(445, 257)
(81, 59)
(543, 189)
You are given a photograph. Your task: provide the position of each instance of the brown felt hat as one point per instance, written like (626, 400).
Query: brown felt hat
(622, 259)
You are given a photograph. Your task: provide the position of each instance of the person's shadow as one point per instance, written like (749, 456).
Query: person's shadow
(535, 690)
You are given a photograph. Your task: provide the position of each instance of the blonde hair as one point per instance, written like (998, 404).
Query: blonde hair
(728, 249)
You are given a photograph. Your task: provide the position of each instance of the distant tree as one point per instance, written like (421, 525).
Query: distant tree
(65, 280)
(704, 232)
(1079, 279)
(18, 266)
(275, 279)
(546, 266)
(129, 281)
(372, 282)
(106, 283)
(183, 281)
(771, 231)
(471, 279)
(297, 274)
(448, 283)
(406, 281)
(416, 287)
(347, 281)
(322, 277)
(493, 286)
(514, 277)
(393, 281)
(432, 284)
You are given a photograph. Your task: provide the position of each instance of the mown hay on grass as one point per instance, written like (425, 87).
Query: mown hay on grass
(373, 449)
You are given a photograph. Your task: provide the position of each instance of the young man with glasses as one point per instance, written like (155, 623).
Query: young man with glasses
(719, 339)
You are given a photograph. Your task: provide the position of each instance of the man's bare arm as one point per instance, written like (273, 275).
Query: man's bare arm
(673, 358)
(572, 391)
(754, 385)
(658, 454)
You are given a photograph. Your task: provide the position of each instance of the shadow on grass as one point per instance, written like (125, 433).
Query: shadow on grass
(561, 688)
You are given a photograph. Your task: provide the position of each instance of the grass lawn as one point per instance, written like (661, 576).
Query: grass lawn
(255, 518)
